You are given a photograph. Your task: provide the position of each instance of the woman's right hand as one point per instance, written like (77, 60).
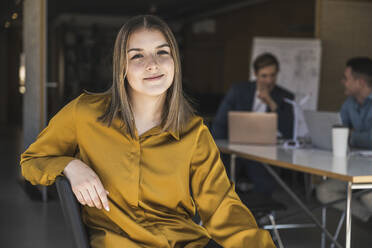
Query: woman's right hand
(86, 185)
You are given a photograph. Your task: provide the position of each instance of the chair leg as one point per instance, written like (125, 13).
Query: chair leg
(276, 232)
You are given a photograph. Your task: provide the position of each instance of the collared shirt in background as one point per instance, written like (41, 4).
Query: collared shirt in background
(359, 118)
(258, 104)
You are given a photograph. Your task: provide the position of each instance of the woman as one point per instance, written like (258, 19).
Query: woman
(139, 159)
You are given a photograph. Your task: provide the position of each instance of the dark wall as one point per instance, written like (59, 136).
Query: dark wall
(212, 62)
(10, 98)
(4, 76)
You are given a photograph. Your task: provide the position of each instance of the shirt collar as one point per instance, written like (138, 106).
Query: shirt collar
(369, 97)
(157, 130)
(357, 105)
(175, 134)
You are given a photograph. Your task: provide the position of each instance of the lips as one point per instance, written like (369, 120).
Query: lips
(155, 77)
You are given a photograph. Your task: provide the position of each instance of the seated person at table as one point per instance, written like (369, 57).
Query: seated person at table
(356, 113)
(138, 158)
(262, 95)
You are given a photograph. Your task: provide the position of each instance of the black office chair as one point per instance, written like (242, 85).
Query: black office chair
(71, 211)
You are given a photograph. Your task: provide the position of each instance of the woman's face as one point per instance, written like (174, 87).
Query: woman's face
(150, 64)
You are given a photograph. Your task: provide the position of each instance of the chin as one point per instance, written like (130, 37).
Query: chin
(156, 92)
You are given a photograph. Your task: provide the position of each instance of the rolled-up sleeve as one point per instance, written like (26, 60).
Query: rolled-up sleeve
(226, 218)
(53, 149)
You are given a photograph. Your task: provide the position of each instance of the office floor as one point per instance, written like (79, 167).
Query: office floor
(29, 223)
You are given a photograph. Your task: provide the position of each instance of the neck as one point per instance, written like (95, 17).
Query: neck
(362, 96)
(147, 111)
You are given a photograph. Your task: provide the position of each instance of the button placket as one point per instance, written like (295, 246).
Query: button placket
(137, 165)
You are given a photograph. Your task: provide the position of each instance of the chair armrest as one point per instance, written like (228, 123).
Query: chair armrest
(71, 211)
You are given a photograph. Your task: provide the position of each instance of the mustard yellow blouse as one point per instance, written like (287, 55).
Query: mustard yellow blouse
(157, 181)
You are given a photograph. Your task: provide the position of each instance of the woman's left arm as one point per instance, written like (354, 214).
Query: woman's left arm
(227, 219)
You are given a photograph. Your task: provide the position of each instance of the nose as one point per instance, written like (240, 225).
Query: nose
(152, 64)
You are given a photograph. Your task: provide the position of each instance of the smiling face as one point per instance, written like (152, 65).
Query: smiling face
(150, 70)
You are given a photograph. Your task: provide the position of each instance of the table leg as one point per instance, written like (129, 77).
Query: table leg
(301, 204)
(324, 223)
(348, 215)
(341, 221)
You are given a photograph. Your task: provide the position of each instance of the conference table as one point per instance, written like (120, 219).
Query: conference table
(354, 170)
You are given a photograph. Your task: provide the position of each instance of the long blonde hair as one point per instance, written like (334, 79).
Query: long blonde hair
(177, 109)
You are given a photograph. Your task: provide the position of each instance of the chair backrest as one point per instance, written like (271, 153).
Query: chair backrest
(71, 212)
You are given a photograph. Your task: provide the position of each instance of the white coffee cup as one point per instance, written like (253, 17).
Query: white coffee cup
(340, 136)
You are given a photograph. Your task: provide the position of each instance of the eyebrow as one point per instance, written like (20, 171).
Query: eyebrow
(139, 49)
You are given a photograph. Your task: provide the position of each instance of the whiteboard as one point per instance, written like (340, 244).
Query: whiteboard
(299, 61)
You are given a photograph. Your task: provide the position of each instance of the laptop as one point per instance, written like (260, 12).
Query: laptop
(252, 127)
(320, 127)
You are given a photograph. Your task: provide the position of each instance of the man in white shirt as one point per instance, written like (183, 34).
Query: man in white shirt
(262, 95)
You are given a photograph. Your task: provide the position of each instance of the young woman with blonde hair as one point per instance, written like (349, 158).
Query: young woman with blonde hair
(138, 158)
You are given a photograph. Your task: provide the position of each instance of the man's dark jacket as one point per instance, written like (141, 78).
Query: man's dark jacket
(240, 98)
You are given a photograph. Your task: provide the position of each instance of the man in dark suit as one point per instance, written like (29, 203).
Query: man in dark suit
(262, 95)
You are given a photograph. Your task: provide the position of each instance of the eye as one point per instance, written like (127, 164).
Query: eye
(136, 56)
(162, 52)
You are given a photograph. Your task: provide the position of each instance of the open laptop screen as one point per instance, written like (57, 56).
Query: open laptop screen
(320, 127)
(252, 127)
